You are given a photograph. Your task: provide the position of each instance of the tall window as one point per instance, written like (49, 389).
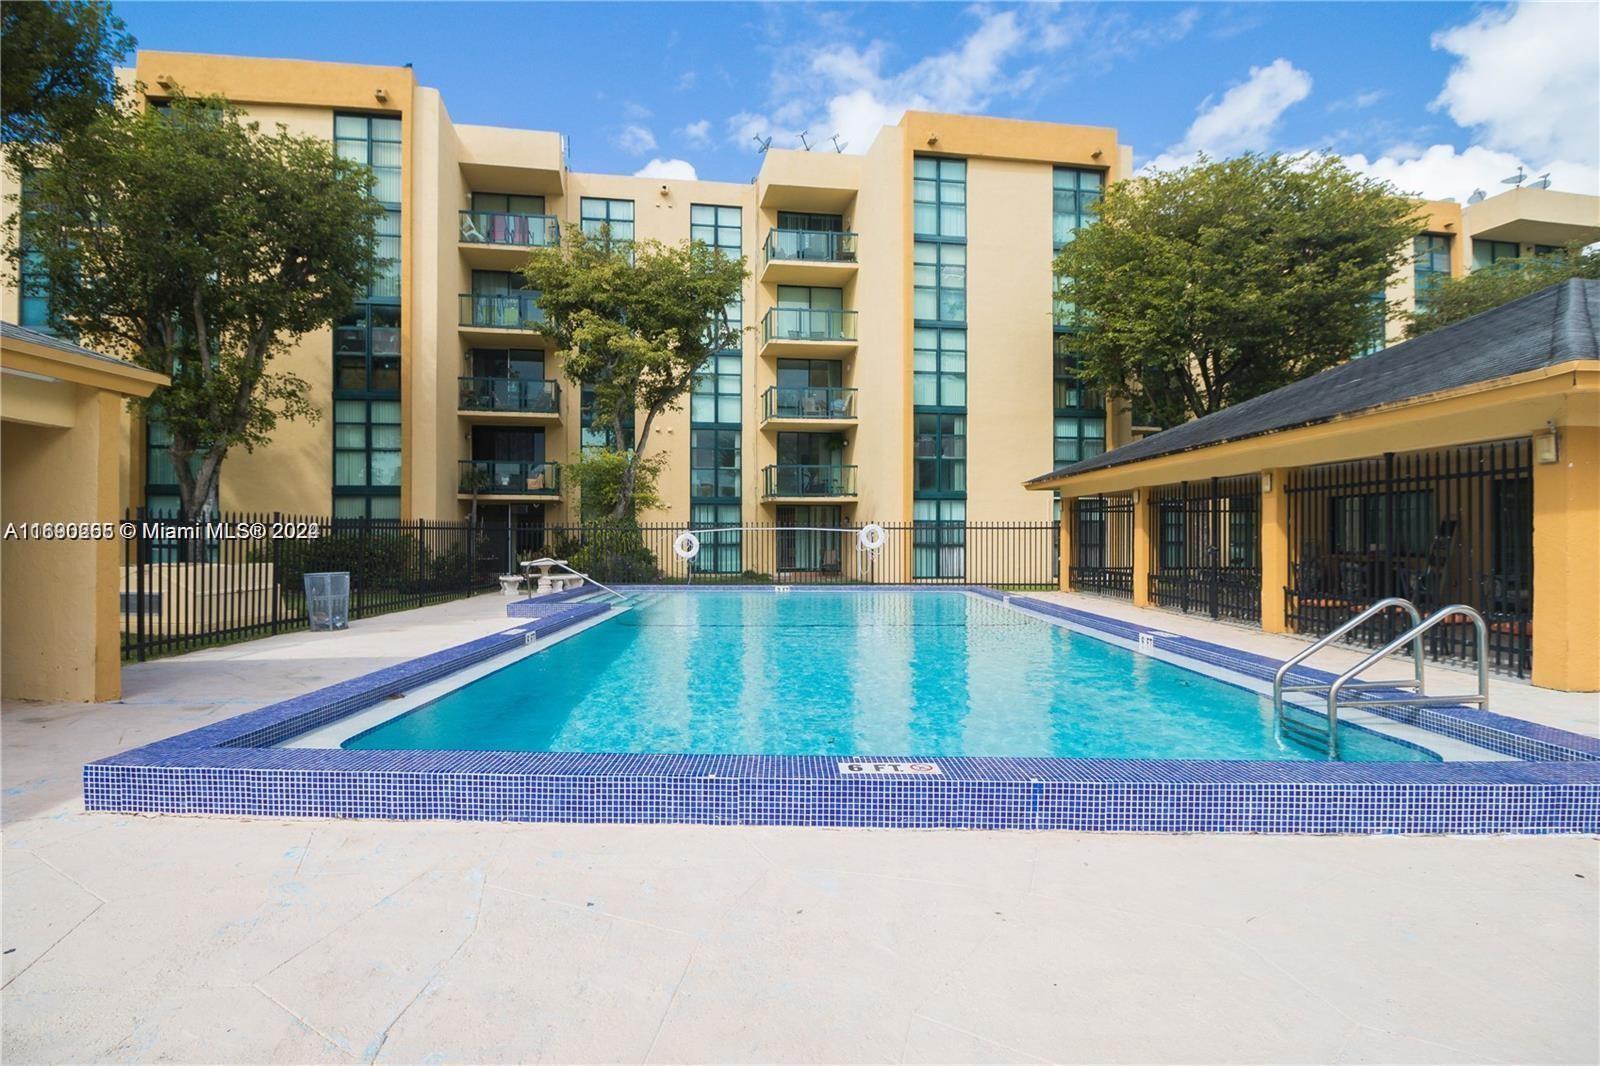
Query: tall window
(715, 413)
(939, 372)
(614, 218)
(33, 285)
(714, 464)
(1076, 202)
(1080, 415)
(939, 193)
(717, 395)
(1431, 254)
(717, 227)
(1488, 253)
(366, 341)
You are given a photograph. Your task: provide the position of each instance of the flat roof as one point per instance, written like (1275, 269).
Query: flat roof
(1547, 328)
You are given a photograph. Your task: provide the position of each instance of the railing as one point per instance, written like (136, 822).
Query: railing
(515, 311)
(806, 324)
(800, 479)
(1205, 547)
(501, 477)
(813, 246)
(502, 227)
(1101, 530)
(509, 394)
(179, 594)
(820, 402)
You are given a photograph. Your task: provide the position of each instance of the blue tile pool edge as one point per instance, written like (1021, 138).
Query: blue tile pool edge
(224, 768)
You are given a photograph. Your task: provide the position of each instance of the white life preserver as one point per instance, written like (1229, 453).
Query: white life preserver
(871, 537)
(686, 545)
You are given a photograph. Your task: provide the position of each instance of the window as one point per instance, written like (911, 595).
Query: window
(508, 203)
(1078, 437)
(366, 350)
(375, 141)
(1380, 320)
(938, 538)
(516, 364)
(939, 194)
(810, 223)
(1244, 523)
(940, 282)
(33, 284)
(1548, 249)
(809, 548)
(939, 368)
(1488, 253)
(1357, 523)
(1172, 523)
(714, 464)
(717, 393)
(719, 552)
(1076, 202)
(1513, 530)
(810, 449)
(366, 458)
(1432, 257)
(594, 437)
(717, 227)
(611, 218)
(1080, 417)
(940, 454)
(817, 299)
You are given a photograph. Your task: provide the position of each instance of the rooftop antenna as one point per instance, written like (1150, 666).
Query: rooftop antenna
(1477, 196)
(805, 144)
(1516, 179)
(838, 145)
(762, 143)
(1542, 183)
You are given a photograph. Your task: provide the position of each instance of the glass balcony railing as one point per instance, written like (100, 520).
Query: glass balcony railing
(806, 324)
(518, 231)
(810, 246)
(519, 310)
(795, 479)
(510, 477)
(509, 394)
(808, 402)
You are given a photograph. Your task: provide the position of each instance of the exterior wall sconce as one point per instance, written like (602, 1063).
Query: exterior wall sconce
(1135, 495)
(933, 139)
(1547, 447)
(1266, 483)
(382, 95)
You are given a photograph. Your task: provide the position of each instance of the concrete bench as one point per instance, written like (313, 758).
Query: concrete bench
(510, 584)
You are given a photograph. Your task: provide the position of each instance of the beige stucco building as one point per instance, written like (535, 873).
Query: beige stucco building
(874, 279)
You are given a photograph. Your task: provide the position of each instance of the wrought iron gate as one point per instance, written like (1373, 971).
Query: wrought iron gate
(1206, 547)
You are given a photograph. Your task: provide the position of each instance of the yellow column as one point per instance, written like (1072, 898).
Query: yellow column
(1141, 547)
(1566, 568)
(1067, 503)
(1274, 549)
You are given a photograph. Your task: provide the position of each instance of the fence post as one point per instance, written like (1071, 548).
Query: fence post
(140, 599)
(422, 561)
(472, 556)
(277, 572)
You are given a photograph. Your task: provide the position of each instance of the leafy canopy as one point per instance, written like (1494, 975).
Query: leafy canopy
(193, 243)
(1487, 287)
(1204, 286)
(637, 323)
(57, 70)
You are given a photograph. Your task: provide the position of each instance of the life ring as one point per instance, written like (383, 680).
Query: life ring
(686, 545)
(871, 537)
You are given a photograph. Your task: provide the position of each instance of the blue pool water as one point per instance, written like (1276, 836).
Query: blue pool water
(850, 673)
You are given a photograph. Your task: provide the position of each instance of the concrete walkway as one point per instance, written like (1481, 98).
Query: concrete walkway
(230, 940)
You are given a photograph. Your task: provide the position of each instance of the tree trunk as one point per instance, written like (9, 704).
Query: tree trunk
(629, 474)
(195, 489)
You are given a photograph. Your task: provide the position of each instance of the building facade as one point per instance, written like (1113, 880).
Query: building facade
(903, 357)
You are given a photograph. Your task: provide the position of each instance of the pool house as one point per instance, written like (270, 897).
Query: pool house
(1462, 467)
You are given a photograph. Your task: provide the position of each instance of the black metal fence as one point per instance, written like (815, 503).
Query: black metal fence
(1206, 547)
(240, 576)
(1102, 546)
(1437, 528)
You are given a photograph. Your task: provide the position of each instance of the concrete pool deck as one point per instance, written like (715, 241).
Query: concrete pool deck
(228, 939)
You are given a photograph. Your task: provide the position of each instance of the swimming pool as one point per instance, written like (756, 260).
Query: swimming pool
(851, 672)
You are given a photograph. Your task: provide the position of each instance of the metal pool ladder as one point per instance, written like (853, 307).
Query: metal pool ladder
(1342, 690)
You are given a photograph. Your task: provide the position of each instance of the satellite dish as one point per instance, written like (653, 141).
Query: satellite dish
(838, 145)
(1516, 179)
(1477, 196)
(762, 143)
(1543, 182)
(804, 144)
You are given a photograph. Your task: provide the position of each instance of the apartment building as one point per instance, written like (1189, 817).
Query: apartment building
(903, 359)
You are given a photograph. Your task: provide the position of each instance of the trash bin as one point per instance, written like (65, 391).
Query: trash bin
(328, 600)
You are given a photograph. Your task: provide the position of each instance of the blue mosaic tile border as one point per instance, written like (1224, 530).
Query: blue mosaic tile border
(226, 768)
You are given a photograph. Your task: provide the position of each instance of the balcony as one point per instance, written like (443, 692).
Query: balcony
(493, 478)
(498, 315)
(801, 408)
(784, 482)
(509, 399)
(808, 257)
(501, 240)
(804, 331)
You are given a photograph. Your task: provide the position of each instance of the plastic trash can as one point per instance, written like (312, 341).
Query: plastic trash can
(328, 599)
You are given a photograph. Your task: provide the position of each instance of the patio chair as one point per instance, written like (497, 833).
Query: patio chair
(811, 405)
(470, 231)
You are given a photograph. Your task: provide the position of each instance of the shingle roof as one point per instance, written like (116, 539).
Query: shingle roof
(1552, 326)
(22, 333)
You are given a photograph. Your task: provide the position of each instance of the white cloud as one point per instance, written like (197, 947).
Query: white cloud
(1358, 101)
(1527, 79)
(1440, 172)
(686, 80)
(698, 133)
(636, 139)
(1244, 118)
(680, 169)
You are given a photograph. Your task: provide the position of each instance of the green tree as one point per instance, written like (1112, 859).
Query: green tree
(636, 323)
(1487, 287)
(1203, 286)
(57, 70)
(193, 243)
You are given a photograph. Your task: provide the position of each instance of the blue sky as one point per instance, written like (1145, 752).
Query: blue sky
(1438, 97)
